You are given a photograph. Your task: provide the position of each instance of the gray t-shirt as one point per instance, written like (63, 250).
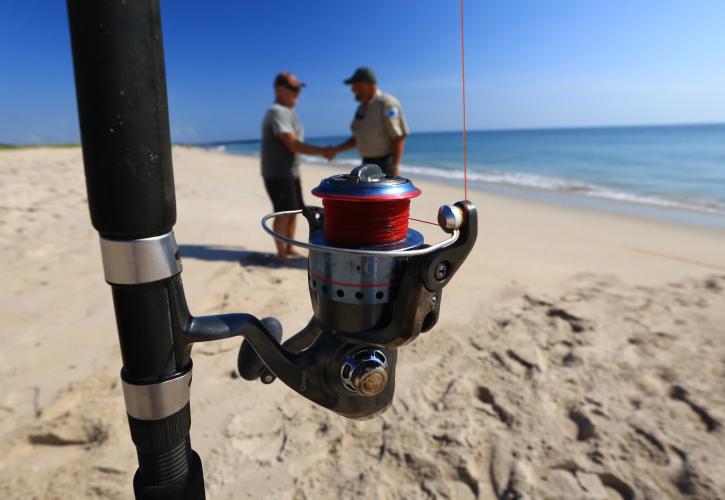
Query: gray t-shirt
(278, 162)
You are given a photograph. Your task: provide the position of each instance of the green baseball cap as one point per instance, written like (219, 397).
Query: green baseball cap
(362, 75)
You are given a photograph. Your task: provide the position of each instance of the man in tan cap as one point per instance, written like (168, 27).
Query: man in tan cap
(282, 144)
(379, 128)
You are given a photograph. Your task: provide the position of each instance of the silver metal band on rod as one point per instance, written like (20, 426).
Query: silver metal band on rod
(379, 253)
(134, 262)
(157, 401)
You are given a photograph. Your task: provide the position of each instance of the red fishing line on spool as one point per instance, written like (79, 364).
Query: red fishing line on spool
(365, 207)
(357, 223)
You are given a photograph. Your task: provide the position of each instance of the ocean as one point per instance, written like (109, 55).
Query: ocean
(675, 173)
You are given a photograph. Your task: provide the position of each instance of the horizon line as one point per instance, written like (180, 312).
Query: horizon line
(422, 132)
(505, 129)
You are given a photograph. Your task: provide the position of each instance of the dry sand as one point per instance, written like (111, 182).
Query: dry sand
(578, 354)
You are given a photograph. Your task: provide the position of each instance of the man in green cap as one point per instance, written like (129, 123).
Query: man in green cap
(379, 128)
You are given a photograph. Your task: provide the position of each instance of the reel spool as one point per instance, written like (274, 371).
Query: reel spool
(365, 207)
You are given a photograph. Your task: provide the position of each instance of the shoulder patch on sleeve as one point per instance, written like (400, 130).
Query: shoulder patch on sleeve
(392, 111)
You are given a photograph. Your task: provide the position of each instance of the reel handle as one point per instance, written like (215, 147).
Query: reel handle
(249, 364)
(309, 363)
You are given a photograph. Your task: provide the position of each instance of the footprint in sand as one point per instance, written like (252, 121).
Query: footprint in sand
(486, 397)
(586, 429)
(679, 393)
(649, 445)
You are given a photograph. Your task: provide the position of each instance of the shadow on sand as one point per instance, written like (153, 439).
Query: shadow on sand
(244, 257)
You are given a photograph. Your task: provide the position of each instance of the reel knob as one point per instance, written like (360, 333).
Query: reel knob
(365, 372)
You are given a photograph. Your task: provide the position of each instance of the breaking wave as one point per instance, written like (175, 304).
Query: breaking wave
(533, 181)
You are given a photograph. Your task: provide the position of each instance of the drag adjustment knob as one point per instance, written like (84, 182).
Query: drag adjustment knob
(365, 371)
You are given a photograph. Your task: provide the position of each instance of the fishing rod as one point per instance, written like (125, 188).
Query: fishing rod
(369, 297)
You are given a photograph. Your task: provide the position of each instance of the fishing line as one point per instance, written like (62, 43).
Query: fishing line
(363, 223)
(366, 207)
(463, 107)
(424, 221)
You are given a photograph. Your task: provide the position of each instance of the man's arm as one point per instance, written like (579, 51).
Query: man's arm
(290, 140)
(348, 144)
(398, 146)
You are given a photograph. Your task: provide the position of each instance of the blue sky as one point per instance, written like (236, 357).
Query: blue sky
(529, 63)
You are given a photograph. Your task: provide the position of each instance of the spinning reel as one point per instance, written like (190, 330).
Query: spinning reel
(367, 300)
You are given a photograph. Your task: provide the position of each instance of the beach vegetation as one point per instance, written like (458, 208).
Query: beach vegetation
(4, 146)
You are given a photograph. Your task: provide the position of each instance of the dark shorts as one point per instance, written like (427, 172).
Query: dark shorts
(286, 194)
(384, 162)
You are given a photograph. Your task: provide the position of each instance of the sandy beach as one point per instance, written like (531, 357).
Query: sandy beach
(579, 354)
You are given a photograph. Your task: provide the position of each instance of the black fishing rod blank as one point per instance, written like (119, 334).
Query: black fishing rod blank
(367, 301)
(123, 115)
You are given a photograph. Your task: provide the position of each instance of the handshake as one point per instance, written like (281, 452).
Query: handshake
(329, 152)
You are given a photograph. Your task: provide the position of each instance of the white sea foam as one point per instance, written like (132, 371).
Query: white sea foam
(533, 181)
(338, 161)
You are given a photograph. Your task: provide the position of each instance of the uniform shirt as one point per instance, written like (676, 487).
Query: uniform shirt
(278, 162)
(376, 125)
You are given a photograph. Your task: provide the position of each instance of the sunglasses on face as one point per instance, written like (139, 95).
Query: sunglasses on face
(296, 90)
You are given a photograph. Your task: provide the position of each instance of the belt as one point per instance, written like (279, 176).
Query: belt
(378, 160)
